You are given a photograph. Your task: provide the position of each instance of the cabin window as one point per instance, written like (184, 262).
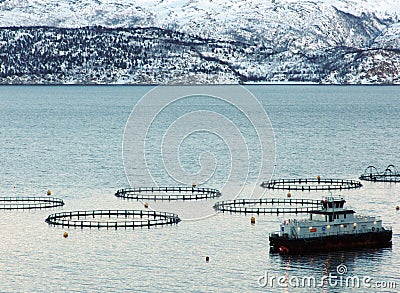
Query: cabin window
(329, 204)
(330, 218)
(344, 216)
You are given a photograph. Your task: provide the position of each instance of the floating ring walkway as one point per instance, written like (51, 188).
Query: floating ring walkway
(257, 206)
(389, 175)
(310, 184)
(25, 203)
(112, 219)
(168, 193)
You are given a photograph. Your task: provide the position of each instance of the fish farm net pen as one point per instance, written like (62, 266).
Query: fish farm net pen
(311, 184)
(28, 203)
(266, 206)
(371, 173)
(168, 193)
(112, 219)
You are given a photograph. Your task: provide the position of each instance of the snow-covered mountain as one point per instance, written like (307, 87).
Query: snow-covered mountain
(189, 14)
(200, 41)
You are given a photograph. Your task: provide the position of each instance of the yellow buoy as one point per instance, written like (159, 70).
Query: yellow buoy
(194, 184)
(397, 208)
(253, 220)
(289, 194)
(65, 235)
(207, 258)
(49, 192)
(146, 205)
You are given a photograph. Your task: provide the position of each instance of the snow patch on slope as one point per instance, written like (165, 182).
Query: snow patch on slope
(390, 38)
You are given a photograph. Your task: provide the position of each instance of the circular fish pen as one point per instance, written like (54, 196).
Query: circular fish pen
(112, 219)
(29, 203)
(311, 184)
(371, 173)
(168, 193)
(268, 206)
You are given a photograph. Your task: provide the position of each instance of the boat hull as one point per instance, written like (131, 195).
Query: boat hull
(285, 245)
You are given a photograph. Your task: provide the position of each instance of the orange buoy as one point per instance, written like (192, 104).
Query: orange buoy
(65, 235)
(319, 178)
(207, 258)
(194, 184)
(253, 220)
(146, 205)
(49, 192)
(289, 194)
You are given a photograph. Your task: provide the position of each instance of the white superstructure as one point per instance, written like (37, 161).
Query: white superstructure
(332, 219)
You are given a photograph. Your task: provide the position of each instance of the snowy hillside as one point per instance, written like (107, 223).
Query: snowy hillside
(199, 41)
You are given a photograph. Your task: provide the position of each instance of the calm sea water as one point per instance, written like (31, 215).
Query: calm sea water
(69, 139)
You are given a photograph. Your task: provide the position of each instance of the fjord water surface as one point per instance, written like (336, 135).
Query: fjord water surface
(69, 139)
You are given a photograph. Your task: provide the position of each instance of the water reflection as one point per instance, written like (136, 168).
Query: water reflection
(330, 272)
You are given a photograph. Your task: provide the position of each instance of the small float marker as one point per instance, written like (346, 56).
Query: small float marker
(253, 220)
(207, 258)
(289, 195)
(146, 205)
(194, 184)
(65, 235)
(49, 192)
(397, 208)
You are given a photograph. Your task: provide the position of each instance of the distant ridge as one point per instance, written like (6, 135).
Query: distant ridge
(198, 41)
